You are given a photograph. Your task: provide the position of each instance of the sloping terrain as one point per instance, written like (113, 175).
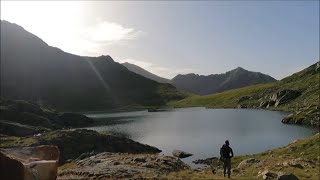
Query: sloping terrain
(298, 93)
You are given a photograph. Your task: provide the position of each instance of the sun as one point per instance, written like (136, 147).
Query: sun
(49, 20)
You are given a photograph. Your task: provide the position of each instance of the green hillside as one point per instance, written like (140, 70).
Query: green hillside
(298, 93)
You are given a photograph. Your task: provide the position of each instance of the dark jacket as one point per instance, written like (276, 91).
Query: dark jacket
(226, 152)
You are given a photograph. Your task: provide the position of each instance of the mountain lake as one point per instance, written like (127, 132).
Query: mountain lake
(202, 131)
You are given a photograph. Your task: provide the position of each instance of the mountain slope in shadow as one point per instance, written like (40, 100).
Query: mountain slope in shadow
(32, 70)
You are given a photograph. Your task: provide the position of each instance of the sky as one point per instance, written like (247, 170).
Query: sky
(166, 38)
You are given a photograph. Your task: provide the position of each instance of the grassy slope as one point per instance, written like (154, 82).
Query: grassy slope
(306, 149)
(305, 81)
(226, 99)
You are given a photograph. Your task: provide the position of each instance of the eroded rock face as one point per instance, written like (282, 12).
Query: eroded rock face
(285, 96)
(279, 98)
(29, 163)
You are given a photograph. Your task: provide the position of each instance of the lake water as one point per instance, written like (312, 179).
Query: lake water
(202, 131)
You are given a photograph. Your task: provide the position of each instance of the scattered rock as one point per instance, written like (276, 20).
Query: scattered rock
(235, 170)
(263, 104)
(287, 176)
(248, 162)
(293, 163)
(181, 154)
(241, 106)
(243, 98)
(139, 159)
(266, 174)
(213, 162)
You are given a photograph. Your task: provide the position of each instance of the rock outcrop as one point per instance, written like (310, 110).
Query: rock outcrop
(181, 154)
(284, 96)
(213, 162)
(22, 118)
(17, 129)
(74, 120)
(29, 163)
(308, 115)
(73, 143)
(278, 98)
(121, 166)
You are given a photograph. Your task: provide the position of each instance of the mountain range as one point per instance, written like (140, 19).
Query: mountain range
(34, 71)
(204, 85)
(215, 83)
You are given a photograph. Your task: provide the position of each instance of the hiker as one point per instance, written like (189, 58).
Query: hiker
(226, 154)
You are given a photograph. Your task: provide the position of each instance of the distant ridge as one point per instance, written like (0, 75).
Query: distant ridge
(214, 83)
(138, 70)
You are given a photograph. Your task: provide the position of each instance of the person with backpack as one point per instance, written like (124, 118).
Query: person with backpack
(226, 154)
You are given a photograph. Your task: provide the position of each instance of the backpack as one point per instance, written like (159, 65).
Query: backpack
(225, 151)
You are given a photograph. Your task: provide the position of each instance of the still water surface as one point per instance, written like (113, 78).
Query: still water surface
(202, 131)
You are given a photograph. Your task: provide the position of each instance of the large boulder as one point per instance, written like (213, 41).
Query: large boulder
(181, 154)
(10, 168)
(29, 163)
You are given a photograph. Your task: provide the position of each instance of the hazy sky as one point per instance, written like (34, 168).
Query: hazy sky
(167, 38)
